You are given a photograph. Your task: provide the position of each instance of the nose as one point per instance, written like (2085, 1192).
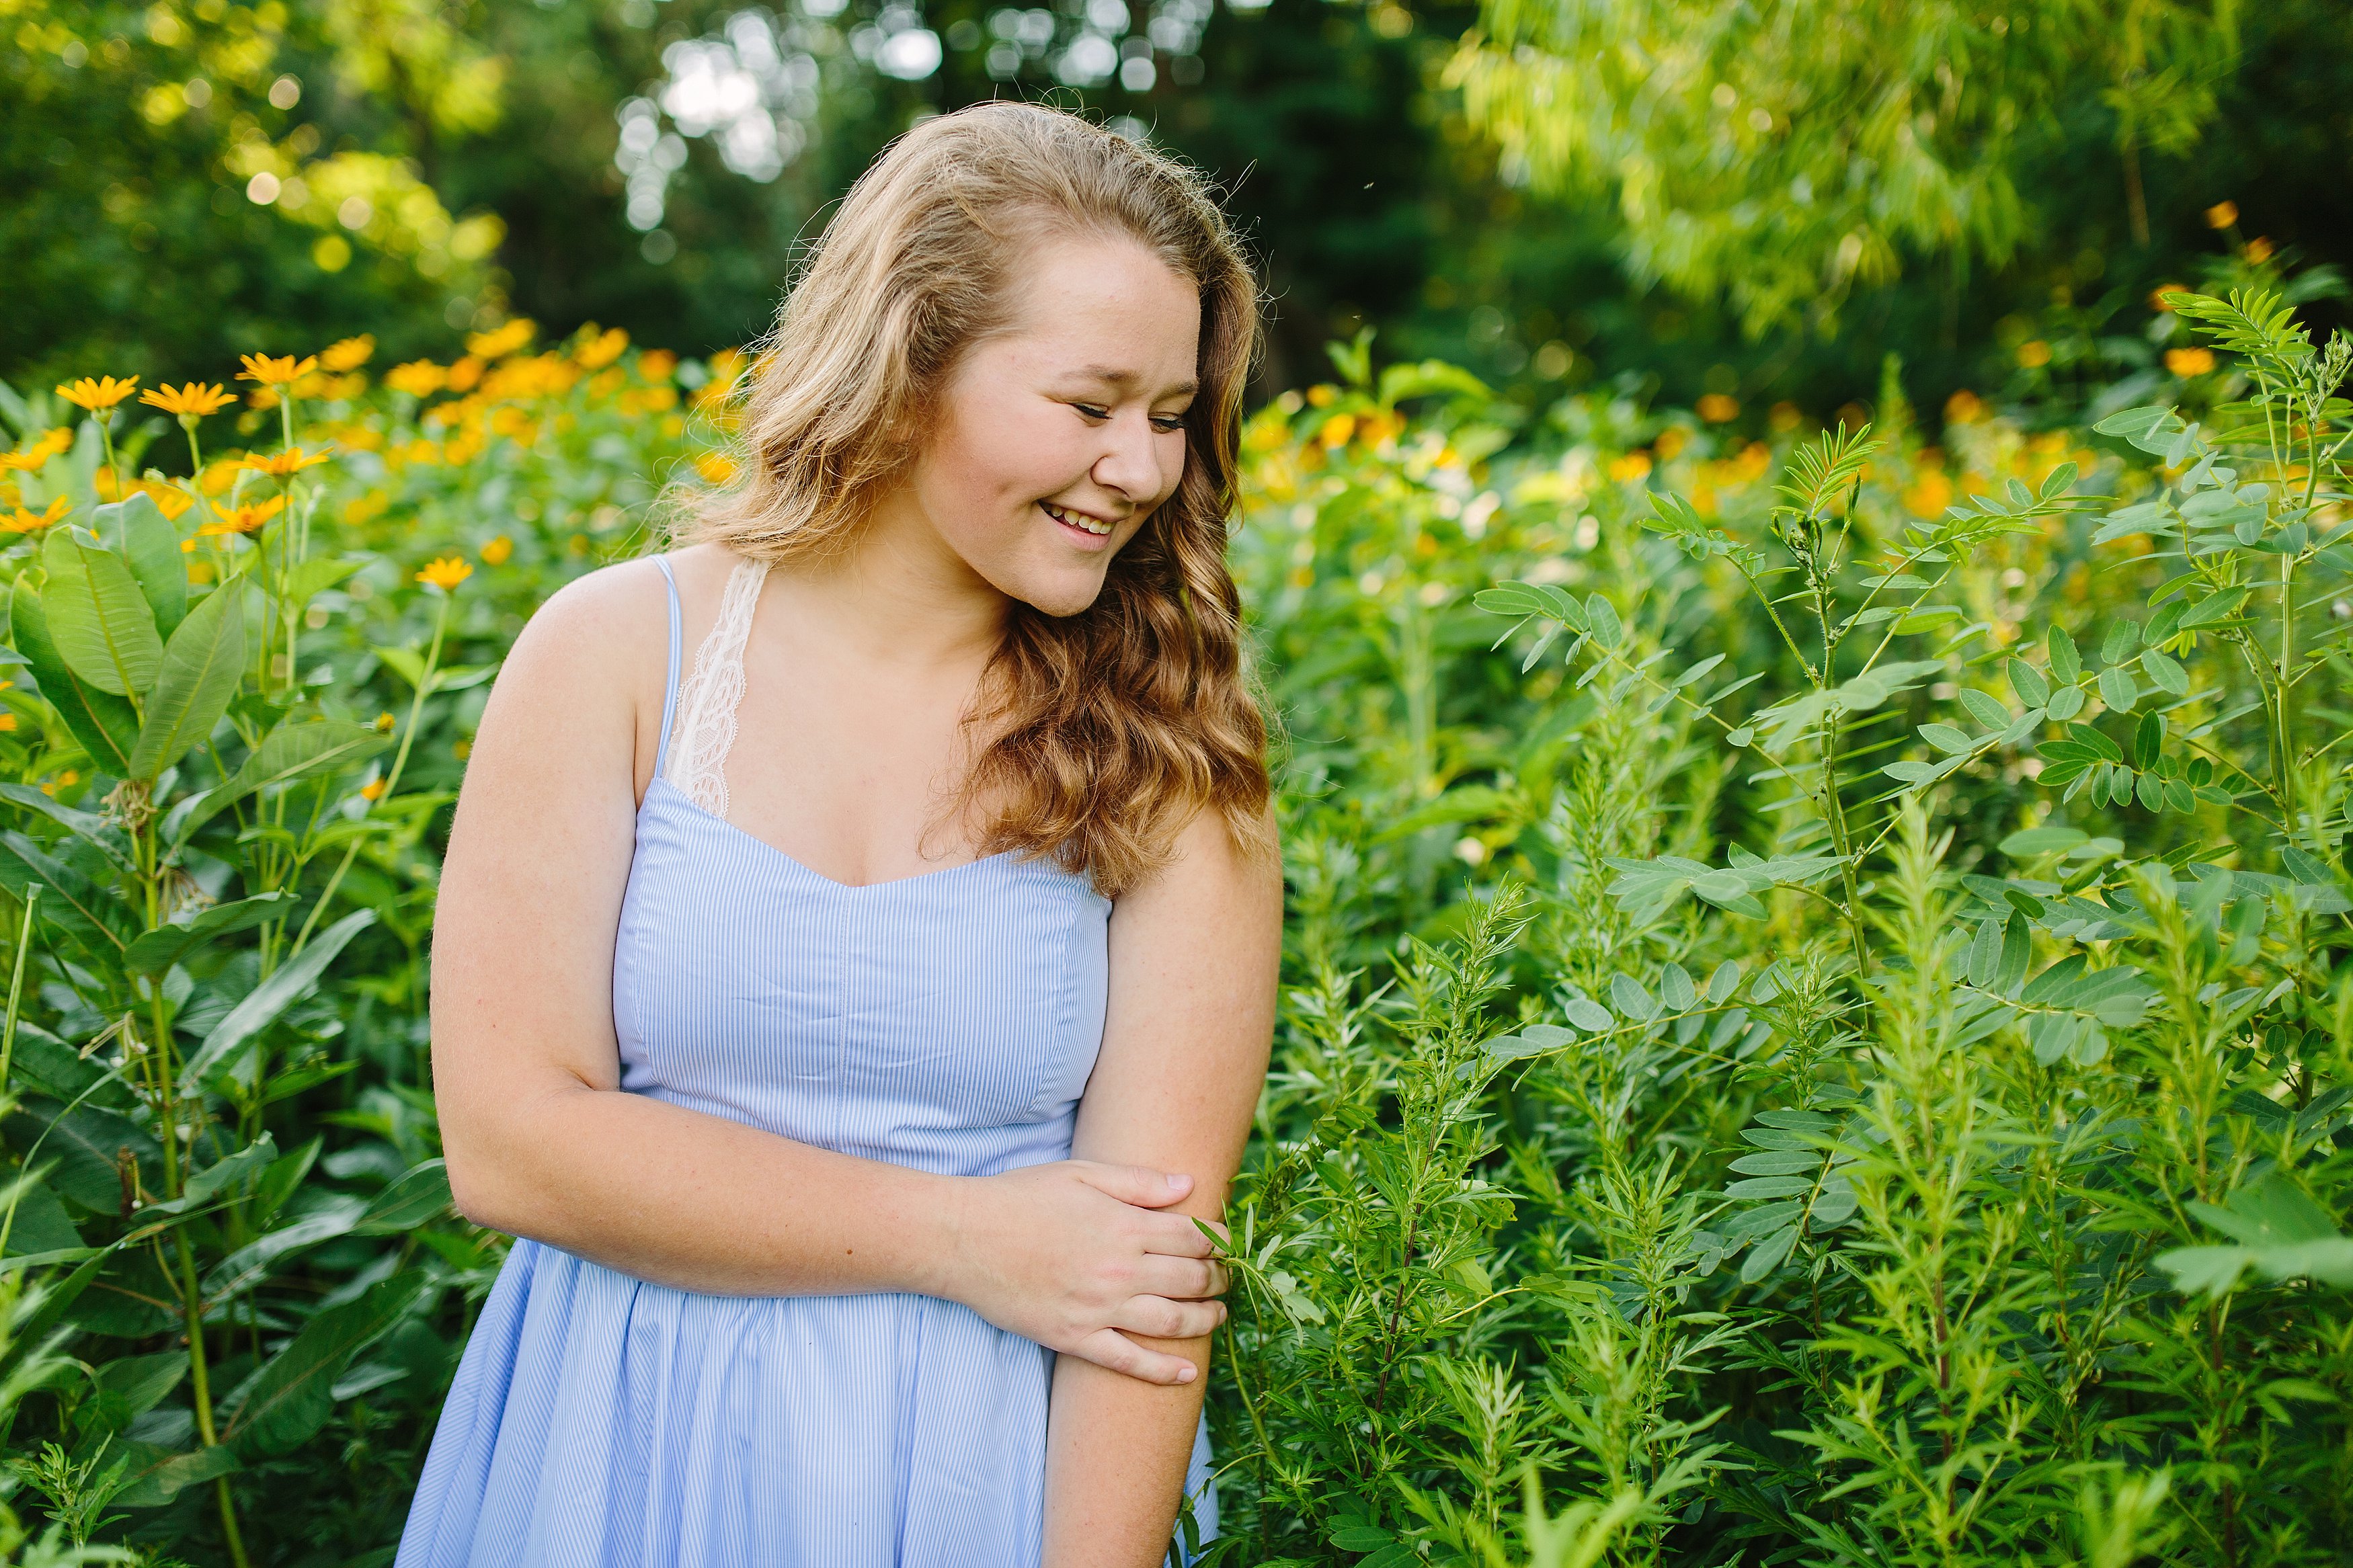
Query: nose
(1131, 460)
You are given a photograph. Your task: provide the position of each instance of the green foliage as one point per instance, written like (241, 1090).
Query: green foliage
(1786, 152)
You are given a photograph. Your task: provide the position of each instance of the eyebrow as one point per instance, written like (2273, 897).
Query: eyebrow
(1129, 378)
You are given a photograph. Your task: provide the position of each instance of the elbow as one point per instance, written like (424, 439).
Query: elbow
(475, 1190)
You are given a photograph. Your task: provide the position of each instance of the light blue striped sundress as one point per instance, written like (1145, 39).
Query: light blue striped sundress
(946, 1021)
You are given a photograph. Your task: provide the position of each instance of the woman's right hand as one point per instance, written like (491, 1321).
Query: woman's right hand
(1076, 1256)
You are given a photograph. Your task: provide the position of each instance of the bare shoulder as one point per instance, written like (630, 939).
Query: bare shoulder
(1214, 868)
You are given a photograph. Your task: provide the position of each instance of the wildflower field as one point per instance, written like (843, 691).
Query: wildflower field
(1815, 1027)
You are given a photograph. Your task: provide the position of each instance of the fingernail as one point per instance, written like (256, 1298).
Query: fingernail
(1186, 1376)
(1180, 1182)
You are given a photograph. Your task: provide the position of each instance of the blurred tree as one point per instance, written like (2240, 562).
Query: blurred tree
(1787, 150)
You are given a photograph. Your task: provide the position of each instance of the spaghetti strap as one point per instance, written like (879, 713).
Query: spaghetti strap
(669, 683)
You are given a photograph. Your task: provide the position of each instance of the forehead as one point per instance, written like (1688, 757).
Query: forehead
(1107, 309)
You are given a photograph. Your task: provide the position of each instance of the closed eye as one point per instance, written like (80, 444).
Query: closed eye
(1170, 423)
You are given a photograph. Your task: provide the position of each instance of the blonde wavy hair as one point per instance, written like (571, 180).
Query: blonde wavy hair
(1102, 734)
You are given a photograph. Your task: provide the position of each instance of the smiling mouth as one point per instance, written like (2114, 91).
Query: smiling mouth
(1078, 520)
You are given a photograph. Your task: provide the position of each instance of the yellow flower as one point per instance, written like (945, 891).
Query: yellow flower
(7, 721)
(192, 401)
(602, 349)
(276, 371)
(496, 551)
(1336, 431)
(36, 456)
(716, 468)
(1718, 409)
(2034, 354)
(245, 518)
(373, 789)
(1671, 441)
(219, 476)
(96, 397)
(464, 373)
(655, 365)
(348, 354)
(385, 722)
(2157, 296)
(23, 521)
(1962, 408)
(445, 574)
(1633, 465)
(419, 378)
(284, 464)
(2259, 249)
(2221, 214)
(2187, 362)
(503, 341)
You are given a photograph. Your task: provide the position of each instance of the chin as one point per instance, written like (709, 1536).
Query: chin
(1060, 599)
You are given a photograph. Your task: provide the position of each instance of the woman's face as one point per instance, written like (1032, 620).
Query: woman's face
(1056, 438)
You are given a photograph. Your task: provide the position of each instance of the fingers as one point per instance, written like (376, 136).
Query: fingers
(1138, 1184)
(1111, 1349)
(1165, 1320)
(1180, 1278)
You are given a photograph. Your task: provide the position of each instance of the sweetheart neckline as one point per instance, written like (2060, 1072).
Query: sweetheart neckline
(699, 809)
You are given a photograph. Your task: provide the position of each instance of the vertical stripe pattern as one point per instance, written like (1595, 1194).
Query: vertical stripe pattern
(945, 1022)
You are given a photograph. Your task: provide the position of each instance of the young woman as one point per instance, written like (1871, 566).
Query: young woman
(856, 1020)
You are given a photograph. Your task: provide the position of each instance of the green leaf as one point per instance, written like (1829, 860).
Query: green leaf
(201, 667)
(1779, 1162)
(2017, 952)
(1767, 1255)
(292, 751)
(2028, 682)
(1985, 708)
(1676, 988)
(98, 617)
(262, 1005)
(1724, 981)
(423, 1192)
(1771, 1188)
(1985, 954)
(2066, 701)
(154, 952)
(1588, 1015)
(1361, 1538)
(2117, 688)
(156, 1474)
(311, 578)
(106, 725)
(2165, 672)
(107, 837)
(1945, 737)
(292, 1397)
(2066, 664)
(150, 546)
(2214, 607)
(2043, 841)
(2118, 644)
(1632, 1001)
(1608, 631)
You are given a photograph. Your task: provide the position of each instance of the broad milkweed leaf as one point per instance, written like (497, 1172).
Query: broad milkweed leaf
(262, 1005)
(420, 1193)
(150, 546)
(292, 751)
(105, 836)
(106, 725)
(199, 673)
(98, 619)
(154, 952)
(292, 1397)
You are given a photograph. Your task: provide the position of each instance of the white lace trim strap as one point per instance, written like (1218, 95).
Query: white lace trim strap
(706, 707)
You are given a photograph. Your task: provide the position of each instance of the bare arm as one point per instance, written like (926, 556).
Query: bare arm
(1194, 960)
(541, 1141)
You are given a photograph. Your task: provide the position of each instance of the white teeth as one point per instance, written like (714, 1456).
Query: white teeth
(1086, 525)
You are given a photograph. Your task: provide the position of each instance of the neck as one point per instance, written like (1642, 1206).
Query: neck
(899, 596)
